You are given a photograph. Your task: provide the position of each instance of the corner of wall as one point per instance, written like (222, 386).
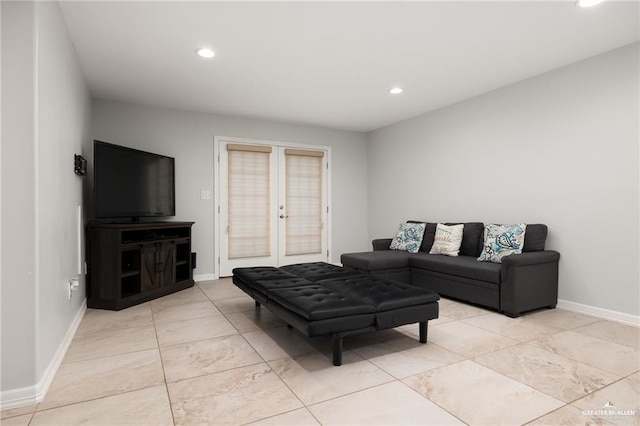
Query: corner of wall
(34, 394)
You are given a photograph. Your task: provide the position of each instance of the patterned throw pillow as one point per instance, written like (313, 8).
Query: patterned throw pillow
(409, 237)
(448, 240)
(501, 241)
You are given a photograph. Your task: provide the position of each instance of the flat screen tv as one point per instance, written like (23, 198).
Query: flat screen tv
(129, 183)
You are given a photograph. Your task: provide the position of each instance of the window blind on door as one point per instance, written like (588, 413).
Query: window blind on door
(303, 187)
(249, 199)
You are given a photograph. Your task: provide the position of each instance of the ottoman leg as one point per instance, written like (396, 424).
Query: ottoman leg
(337, 350)
(423, 332)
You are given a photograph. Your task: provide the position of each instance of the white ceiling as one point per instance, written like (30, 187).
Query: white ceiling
(331, 64)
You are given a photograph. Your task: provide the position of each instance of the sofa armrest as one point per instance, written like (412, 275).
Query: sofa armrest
(381, 244)
(529, 281)
(531, 258)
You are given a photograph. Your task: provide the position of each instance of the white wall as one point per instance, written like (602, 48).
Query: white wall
(188, 136)
(45, 116)
(18, 204)
(63, 125)
(560, 149)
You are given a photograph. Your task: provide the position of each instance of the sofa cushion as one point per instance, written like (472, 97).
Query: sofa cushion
(266, 286)
(318, 302)
(376, 260)
(409, 237)
(448, 240)
(429, 235)
(319, 271)
(464, 266)
(471, 238)
(381, 293)
(501, 241)
(535, 238)
(250, 275)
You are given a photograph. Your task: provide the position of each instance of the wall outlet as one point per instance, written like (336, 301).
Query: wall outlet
(205, 194)
(74, 284)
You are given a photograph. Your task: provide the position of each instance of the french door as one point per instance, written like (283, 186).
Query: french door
(273, 204)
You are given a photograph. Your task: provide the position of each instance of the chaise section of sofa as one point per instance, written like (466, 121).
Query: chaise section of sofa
(385, 263)
(521, 283)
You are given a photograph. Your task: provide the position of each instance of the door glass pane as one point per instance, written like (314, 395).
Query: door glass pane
(303, 183)
(249, 227)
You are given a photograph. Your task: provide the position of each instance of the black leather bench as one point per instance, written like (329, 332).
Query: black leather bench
(321, 299)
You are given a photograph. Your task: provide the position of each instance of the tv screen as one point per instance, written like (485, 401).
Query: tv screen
(132, 183)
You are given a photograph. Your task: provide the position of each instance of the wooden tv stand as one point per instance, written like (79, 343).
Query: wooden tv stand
(132, 263)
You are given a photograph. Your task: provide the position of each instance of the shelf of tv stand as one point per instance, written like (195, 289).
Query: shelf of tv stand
(126, 274)
(132, 263)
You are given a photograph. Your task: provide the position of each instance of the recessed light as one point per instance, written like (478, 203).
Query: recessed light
(205, 52)
(395, 90)
(588, 3)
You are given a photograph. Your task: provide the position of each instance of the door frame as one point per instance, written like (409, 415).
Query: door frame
(217, 139)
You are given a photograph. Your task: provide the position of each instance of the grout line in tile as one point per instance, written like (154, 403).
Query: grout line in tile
(93, 399)
(290, 390)
(222, 298)
(484, 353)
(17, 415)
(577, 330)
(245, 339)
(164, 374)
(597, 390)
(352, 392)
(546, 414)
(226, 298)
(215, 372)
(275, 415)
(433, 402)
(117, 328)
(194, 318)
(604, 343)
(107, 356)
(508, 337)
(518, 381)
(195, 341)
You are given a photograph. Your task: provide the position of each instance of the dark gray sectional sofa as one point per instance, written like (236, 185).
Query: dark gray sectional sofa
(521, 283)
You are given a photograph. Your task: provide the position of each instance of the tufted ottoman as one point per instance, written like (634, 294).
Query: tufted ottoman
(321, 299)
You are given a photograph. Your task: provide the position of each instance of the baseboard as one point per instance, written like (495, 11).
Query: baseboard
(14, 398)
(52, 369)
(204, 277)
(594, 311)
(34, 394)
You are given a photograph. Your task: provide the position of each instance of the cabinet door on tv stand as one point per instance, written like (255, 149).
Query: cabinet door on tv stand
(149, 266)
(159, 265)
(166, 266)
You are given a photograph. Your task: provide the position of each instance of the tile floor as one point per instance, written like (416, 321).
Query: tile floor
(206, 356)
